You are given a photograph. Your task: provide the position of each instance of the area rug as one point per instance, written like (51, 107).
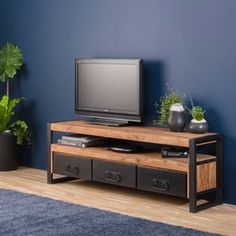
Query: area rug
(26, 214)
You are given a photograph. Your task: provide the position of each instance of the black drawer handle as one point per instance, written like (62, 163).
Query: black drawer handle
(71, 170)
(68, 168)
(160, 184)
(76, 170)
(113, 176)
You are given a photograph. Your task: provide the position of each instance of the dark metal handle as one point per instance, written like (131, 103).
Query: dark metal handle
(68, 168)
(160, 184)
(76, 170)
(71, 170)
(113, 176)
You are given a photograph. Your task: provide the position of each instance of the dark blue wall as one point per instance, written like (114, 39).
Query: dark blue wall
(2, 25)
(188, 44)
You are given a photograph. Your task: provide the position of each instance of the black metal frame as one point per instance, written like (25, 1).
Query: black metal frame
(214, 196)
(49, 141)
(50, 179)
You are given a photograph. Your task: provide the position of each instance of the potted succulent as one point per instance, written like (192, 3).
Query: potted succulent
(198, 124)
(12, 132)
(171, 111)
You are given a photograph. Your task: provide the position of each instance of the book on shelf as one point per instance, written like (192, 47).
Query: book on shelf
(80, 143)
(81, 138)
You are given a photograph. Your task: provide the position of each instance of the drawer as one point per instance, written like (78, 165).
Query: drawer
(114, 173)
(162, 181)
(73, 166)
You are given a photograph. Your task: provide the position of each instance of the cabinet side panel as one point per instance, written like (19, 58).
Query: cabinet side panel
(206, 176)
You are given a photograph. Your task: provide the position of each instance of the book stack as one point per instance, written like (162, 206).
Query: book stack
(81, 141)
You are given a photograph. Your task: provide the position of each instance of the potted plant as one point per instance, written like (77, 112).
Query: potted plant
(198, 124)
(12, 132)
(171, 111)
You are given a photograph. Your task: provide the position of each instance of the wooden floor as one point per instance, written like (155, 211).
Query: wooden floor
(220, 219)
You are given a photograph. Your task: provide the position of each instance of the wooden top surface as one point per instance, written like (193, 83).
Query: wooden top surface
(133, 133)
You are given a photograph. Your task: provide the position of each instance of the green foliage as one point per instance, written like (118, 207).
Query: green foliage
(18, 128)
(164, 106)
(197, 113)
(11, 59)
(7, 111)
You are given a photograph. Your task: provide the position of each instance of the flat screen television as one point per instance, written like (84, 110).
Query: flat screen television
(109, 89)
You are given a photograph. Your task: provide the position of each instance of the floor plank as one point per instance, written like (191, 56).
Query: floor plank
(220, 219)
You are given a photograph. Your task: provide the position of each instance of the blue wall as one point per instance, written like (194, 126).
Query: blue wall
(188, 44)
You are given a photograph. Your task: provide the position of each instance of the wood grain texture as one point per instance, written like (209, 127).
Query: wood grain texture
(133, 133)
(220, 219)
(151, 159)
(206, 176)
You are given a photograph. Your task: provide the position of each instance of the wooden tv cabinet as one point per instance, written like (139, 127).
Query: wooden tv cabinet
(198, 177)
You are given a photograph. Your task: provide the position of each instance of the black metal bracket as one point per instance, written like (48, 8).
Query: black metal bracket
(49, 141)
(214, 196)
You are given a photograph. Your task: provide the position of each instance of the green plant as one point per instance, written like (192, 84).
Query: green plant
(11, 60)
(163, 107)
(19, 128)
(197, 113)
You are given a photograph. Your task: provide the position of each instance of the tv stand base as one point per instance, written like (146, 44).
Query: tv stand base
(197, 178)
(107, 122)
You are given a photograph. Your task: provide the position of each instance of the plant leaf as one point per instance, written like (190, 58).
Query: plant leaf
(11, 59)
(20, 130)
(164, 106)
(7, 111)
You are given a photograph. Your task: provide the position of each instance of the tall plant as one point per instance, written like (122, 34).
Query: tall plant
(11, 60)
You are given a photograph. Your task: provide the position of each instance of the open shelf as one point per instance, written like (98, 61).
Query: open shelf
(145, 159)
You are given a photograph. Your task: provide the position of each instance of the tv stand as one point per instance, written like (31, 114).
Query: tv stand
(197, 178)
(107, 122)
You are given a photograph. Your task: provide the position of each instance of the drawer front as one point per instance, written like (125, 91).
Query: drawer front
(162, 181)
(114, 173)
(73, 166)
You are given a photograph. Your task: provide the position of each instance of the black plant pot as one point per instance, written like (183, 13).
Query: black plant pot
(8, 152)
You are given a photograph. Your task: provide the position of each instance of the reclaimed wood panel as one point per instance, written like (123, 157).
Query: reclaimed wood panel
(133, 133)
(206, 176)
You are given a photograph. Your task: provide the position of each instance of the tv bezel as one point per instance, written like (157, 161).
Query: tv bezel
(112, 115)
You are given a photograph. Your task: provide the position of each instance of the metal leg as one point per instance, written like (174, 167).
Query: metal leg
(192, 177)
(50, 179)
(219, 170)
(215, 195)
(49, 141)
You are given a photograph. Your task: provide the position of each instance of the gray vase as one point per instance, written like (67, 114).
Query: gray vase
(176, 121)
(199, 127)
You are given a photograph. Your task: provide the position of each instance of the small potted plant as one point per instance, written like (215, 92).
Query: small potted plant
(12, 132)
(198, 124)
(171, 111)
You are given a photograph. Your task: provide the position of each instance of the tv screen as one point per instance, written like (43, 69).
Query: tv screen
(109, 88)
